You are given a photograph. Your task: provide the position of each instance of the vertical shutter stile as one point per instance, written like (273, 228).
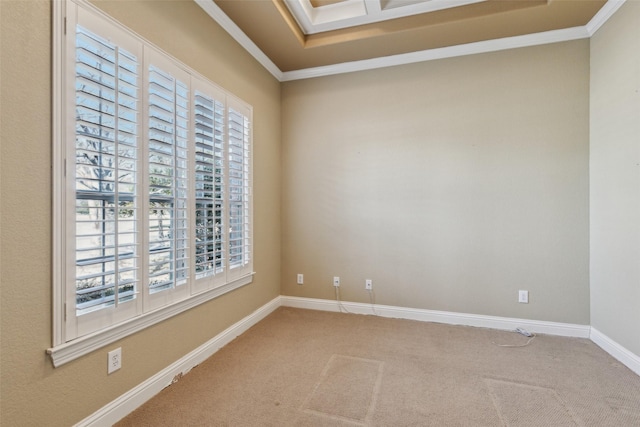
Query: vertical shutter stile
(127, 208)
(209, 182)
(168, 127)
(181, 182)
(239, 188)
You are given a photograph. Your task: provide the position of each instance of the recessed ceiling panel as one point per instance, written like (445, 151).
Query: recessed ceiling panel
(316, 16)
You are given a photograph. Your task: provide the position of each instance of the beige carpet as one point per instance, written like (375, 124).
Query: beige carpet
(310, 368)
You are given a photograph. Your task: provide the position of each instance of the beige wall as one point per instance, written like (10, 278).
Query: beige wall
(452, 184)
(32, 391)
(615, 178)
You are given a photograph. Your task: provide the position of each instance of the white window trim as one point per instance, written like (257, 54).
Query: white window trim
(63, 352)
(72, 350)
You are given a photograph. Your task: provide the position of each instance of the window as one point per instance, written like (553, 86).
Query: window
(153, 185)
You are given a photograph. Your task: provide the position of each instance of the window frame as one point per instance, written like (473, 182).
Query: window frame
(200, 290)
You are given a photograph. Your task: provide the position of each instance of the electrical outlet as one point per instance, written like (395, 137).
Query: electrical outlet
(114, 361)
(523, 297)
(336, 281)
(368, 284)
(300, 279)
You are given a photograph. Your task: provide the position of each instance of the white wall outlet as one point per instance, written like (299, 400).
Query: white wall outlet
(336, 281)
(114, 361)
(368, 284)
(300, 279)
(523, 297)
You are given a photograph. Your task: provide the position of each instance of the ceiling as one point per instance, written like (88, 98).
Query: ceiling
(318, 16)
(303, 38)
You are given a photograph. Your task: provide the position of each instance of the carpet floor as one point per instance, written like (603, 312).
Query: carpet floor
(311, 368)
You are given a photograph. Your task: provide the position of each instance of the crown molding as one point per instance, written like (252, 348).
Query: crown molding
(603, 15)
(238, 35)
(495, 45)
(441, 53)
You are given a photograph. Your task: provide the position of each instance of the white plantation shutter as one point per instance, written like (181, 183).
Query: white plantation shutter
(209, 171)
(105, 175)
(239, 170)
(152, 185)
(168, 140)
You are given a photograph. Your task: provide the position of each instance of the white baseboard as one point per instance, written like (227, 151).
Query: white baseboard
(618, 352)
(128, 402)
(493, 322)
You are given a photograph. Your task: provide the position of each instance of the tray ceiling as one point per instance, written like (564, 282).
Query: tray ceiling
(306, 34)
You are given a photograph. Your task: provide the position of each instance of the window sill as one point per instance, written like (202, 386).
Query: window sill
(72, 350)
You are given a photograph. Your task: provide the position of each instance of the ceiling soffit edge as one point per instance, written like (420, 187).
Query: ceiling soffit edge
(547, 37)
(291, 21)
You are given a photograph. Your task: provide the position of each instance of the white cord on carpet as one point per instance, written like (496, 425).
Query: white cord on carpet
(516, 345)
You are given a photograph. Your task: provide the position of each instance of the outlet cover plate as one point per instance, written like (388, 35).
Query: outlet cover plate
(523, 297)
(114, 361)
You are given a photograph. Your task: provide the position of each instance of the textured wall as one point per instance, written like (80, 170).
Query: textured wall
(615, 177)
(33, 392)
(452, 184)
